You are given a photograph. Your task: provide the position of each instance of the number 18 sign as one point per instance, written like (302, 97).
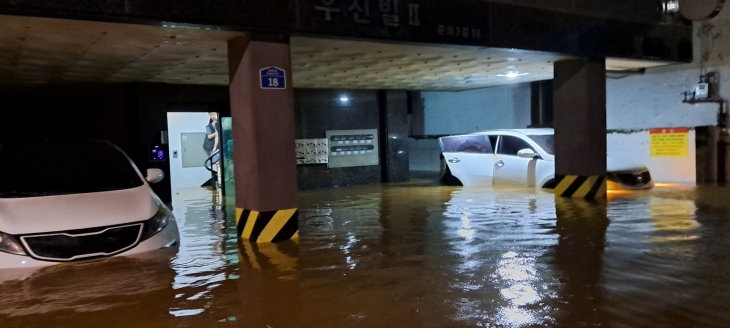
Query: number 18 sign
(273, 78)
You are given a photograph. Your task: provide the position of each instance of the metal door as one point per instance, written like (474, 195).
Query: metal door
(193, 154)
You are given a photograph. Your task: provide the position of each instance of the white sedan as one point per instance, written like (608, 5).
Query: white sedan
(524, 157)
(66, 203)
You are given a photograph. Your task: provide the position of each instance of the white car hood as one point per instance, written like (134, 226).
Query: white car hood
(77, 211)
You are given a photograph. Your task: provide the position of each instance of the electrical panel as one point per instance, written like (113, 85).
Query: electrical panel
(702, 91)
(349, 148)
(312, 151)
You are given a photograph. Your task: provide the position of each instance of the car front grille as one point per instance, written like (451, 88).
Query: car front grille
(83, 244)
(646, 177)
(633, 179)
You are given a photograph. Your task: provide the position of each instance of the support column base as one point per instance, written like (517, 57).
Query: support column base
(576, 186)
(267, 227)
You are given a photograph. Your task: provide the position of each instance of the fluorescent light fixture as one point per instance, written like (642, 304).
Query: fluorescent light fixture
(512, 74)
(344, 99)
(671, 7)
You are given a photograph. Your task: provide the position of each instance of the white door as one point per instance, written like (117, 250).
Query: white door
(511, 169)
(470, 159)
(471, 169)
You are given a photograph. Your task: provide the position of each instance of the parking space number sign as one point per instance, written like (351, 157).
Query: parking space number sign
(273, 78)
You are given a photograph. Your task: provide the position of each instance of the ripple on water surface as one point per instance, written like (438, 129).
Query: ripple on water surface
(413, 255)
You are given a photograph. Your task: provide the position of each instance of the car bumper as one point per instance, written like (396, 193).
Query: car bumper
(612, 185)
(168, 237)
(639, 179)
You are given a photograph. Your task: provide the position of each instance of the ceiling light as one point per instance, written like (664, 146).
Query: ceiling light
(512, 74)
(670, 7)
(344, 99)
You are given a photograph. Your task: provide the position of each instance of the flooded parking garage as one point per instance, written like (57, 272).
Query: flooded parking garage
(321, 94)
(413, 255)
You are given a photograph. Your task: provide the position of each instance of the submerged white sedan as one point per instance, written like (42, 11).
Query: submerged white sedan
(522, 157)
(76, 202)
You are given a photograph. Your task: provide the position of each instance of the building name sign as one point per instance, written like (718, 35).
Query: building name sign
(402, 18)
(387, 12)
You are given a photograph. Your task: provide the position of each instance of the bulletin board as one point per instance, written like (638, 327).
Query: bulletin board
(670, 142)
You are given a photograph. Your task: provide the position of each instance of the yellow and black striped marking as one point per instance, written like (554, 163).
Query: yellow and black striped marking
(575, 186)
(267, 227)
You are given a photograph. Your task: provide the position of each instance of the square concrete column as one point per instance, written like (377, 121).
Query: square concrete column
(394, 127)
(579, 103)
(262, 109)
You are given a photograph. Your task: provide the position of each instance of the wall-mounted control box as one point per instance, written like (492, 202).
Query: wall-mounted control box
(702, 91)
(158, 153)
(312, 151)
(349, 148)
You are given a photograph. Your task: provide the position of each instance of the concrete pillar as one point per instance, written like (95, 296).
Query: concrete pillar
(579, 104)
(263, 133)
(394, 127)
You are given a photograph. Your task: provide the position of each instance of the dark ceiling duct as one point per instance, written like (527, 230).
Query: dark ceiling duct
(640, 71)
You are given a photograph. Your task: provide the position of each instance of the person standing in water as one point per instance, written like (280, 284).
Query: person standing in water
(212, 137)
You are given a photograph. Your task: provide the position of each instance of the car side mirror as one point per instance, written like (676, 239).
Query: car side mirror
(528, 153)
(155, 175)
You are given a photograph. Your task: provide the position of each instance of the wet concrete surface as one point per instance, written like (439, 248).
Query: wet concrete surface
(413, 255)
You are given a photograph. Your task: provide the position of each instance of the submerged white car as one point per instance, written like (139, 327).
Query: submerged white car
(75, 202)
(523, 157)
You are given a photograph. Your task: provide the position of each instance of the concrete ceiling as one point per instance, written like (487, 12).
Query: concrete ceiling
(37, 51)
(370, 65)
(42, 51)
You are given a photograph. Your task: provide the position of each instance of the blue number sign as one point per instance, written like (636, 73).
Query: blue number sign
(273, 78)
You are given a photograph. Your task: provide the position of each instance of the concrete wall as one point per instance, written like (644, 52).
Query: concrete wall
(444, 113)
(424, 155)
(654, 100)
(177, 123)
(634, 149)
(505, 106)
(319, 110)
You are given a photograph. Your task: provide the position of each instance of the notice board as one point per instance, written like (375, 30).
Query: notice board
(670, 142)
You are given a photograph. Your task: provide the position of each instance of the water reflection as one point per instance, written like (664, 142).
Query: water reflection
(207, 256)
(667, 268)
(499, 238)
(578, 262)
(413, 256)
(109, 288)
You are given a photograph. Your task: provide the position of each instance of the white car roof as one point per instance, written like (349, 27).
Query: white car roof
(535, 131)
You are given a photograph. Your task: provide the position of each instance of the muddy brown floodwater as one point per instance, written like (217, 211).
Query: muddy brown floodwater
(413, 255)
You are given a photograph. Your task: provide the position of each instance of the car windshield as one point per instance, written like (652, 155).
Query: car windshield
(31, 171)
(546, 142)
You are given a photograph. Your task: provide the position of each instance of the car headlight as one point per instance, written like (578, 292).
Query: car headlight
(158, 222)
(10, 244)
